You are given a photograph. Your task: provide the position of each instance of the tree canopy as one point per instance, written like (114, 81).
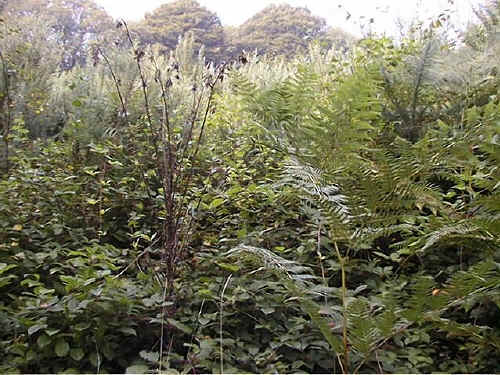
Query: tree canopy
(173, 20)
(74, 22)
(279, 29)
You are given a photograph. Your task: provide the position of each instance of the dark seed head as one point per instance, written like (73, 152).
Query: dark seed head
(242, 59)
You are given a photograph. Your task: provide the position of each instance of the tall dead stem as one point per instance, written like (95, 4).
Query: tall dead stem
(6, 101)
(175, 154)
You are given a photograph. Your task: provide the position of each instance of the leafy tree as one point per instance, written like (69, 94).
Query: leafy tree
(29, 62)
(337, 39)
(485, 33)
(280, 29)
(166, 24)
(73, 22)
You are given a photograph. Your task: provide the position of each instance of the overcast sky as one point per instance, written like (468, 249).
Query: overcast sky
(384, 12)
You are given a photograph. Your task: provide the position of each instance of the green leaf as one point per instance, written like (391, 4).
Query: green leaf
(182, 327)
(205, 293)
(36, 328)
(6, 280)
(89, 281)
(107, 350)
(207, 347)
(128, 331)
(43, 341)
(203, 321)
(76, 103)
(77, 354)
(5, 267)
(267, 310)
(52, 332)
(81, 326)
(31, 355)
(61, 348)
(216, 203)
(70, 370)
(228, 267)
(137, 369)
(149, 356)
(93, 359)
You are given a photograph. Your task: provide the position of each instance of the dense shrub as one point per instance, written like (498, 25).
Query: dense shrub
(336, 213)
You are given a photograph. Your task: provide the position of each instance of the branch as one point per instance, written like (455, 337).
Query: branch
(117, 84)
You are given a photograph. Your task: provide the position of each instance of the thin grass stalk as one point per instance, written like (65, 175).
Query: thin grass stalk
(220, 323)
(344, 312)
(116, 82)
(162, 334)
(320, 258)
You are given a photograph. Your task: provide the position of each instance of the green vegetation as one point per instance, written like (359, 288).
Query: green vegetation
(170, 21)
(280, 30)
(70, 23)
(333, 212)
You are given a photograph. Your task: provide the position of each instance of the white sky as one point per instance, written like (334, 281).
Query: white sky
(384, 12)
